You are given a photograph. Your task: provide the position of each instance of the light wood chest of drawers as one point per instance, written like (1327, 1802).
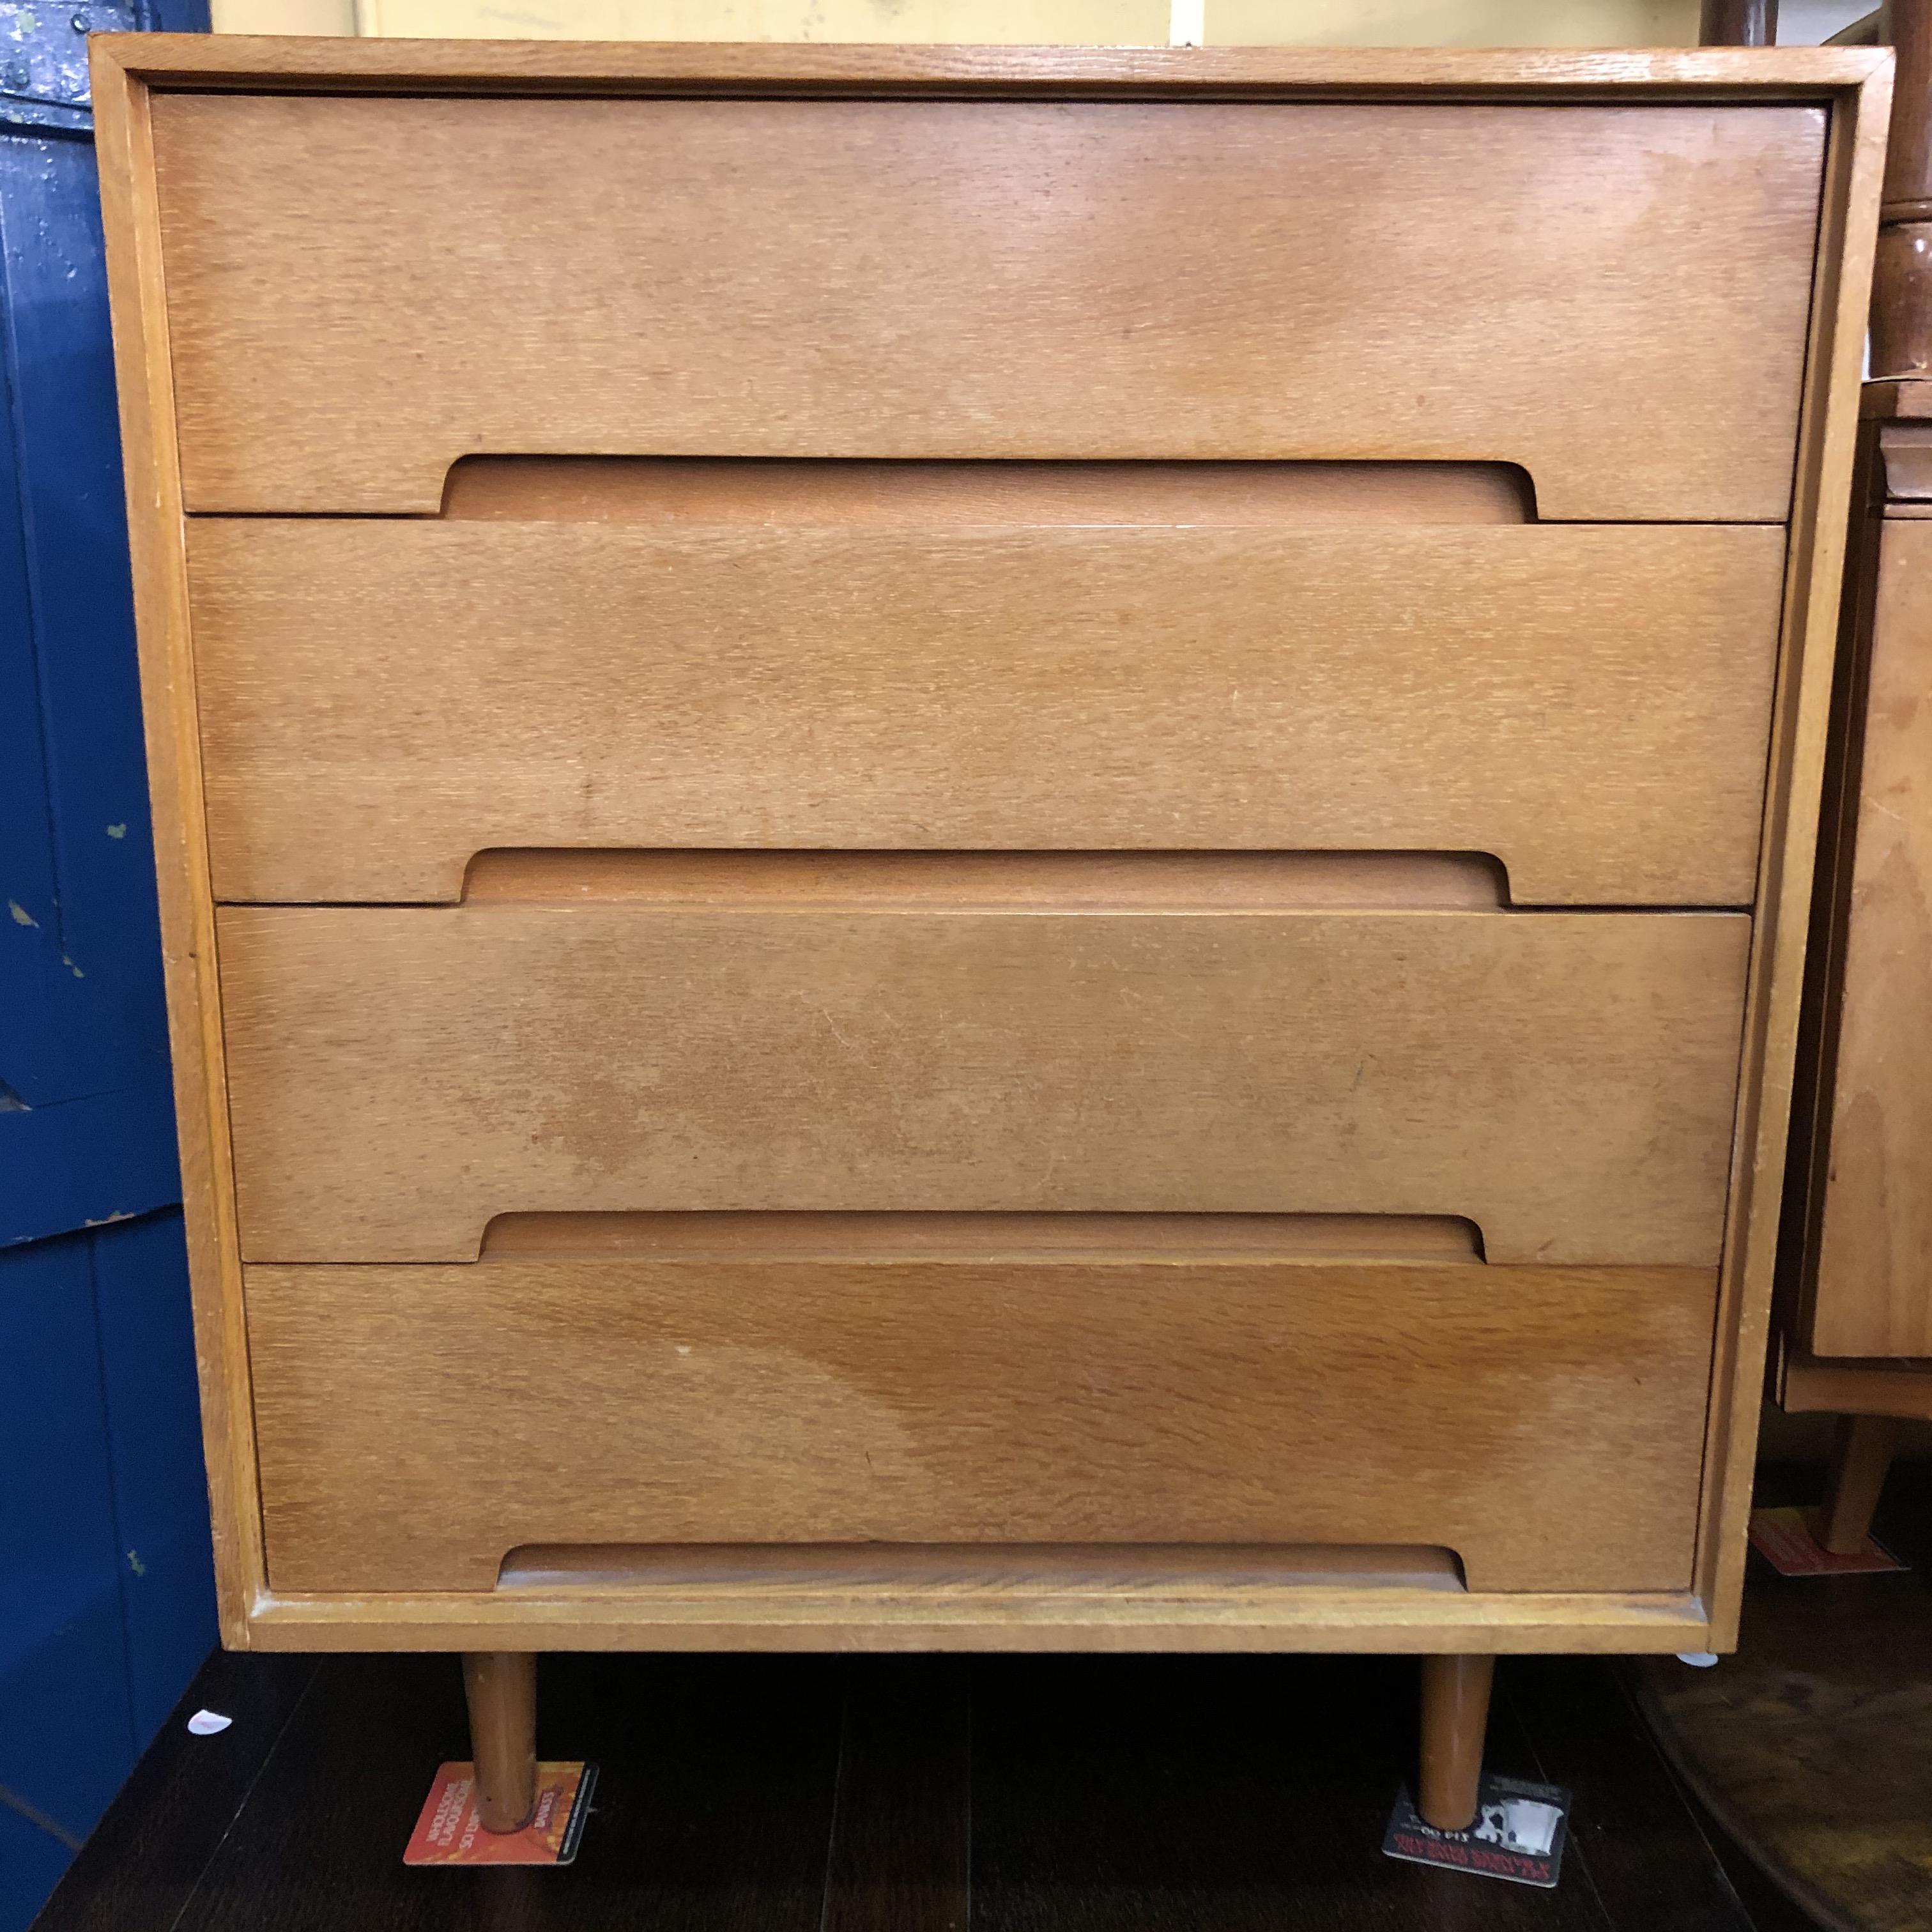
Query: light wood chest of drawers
(976, 849)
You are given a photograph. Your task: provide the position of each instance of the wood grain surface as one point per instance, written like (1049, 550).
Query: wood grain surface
(601, 1568)
(982, 1237)
(472, 66)
(1614, 297)
(1064, 881)
(1045, 1617)
(157, 533)
(1627, 233)
(418, 1424)
(786, 493)
(379, 700)
(1808, 1385)
(1821, 508)
(398, 1078)
(1873, 1292)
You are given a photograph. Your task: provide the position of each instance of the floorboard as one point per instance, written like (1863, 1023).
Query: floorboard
(902, 1832)
(1642, 1851)
(1809, 1747)
(143, 1861)
(1217, 1795)
(889, 1794)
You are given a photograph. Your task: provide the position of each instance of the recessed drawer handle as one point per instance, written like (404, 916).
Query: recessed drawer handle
(1143, 1569)
(981, 882)
(765, 1235)
(844, 492)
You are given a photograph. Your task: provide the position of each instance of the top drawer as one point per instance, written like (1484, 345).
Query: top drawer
(362, 290)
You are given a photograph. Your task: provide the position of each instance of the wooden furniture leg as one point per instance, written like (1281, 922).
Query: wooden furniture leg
(1860, 1457)
(1455, 1719)
(502, 1688)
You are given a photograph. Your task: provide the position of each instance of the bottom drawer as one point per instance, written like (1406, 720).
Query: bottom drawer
(417, 1425)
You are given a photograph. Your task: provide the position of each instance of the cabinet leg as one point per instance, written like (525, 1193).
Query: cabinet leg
(502, 1688)
(1860, 1457)
(1455, 1718)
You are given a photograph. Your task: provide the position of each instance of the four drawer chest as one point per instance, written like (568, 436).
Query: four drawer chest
(973, 849)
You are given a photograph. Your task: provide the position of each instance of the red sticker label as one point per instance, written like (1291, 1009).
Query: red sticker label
(1783, 1538)
(450, 1831)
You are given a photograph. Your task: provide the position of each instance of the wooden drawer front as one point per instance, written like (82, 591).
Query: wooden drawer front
(416, 1425)
(379, 700)
(398, 1078)
(1614, 296)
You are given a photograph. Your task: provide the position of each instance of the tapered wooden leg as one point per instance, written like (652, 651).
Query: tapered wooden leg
(1860, 1457)
(1455, 1718)
(501, 1686)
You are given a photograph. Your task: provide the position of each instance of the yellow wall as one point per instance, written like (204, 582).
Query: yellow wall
(1453, 23)
(283, 16)
(1105, 23)
(1140, 23)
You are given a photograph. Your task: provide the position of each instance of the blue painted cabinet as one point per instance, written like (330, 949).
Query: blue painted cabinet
(107, 1595)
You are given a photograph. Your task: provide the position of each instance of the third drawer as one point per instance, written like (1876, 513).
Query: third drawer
(400, 1077)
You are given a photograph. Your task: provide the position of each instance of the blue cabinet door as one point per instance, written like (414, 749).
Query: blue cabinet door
(106, 1598)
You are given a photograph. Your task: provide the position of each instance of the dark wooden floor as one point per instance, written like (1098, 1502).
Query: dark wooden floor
(821, 1795)
(1815, 1740)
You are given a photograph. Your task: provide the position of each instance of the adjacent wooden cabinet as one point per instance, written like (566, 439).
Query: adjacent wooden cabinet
(1855, 1336)
(984, 849)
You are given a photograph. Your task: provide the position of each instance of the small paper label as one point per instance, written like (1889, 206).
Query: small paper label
(450, 1831)
(1783, 1538)
(1519, 1834)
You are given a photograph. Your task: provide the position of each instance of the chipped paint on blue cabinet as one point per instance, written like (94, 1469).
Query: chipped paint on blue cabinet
(31, 1860)
(43, 79)
(66, 1737)
(85, 1133)
(106, 1581)
(162, 1558)
(107, 1591)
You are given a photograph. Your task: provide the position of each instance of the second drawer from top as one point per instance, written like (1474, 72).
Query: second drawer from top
(1025, 656)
